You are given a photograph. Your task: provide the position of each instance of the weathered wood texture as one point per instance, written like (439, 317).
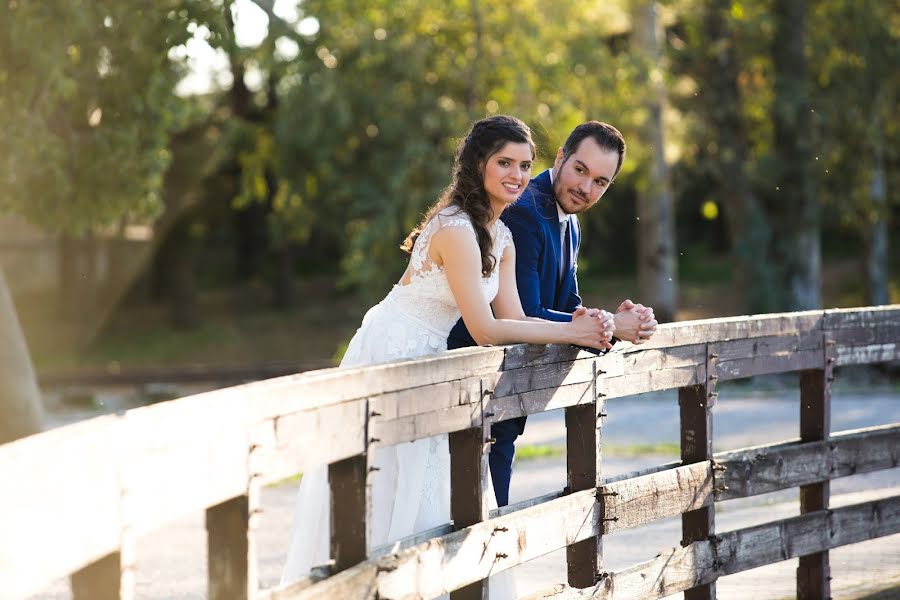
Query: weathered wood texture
(464, 557)
(468, 497)
(110, 578)
(231, 561)
(695, 404)
(682, 568)
(766, 469)
(154, 464)
(347, 481)
(814, 571)
(583, 466)
(642, 500)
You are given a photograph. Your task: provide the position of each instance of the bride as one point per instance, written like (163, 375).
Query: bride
(462, 263)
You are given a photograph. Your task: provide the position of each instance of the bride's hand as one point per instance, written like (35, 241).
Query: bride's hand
(592, 328)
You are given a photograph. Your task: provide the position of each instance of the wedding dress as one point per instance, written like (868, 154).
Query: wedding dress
(410, 491)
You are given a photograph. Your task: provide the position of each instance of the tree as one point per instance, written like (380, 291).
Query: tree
(717, 60)
(86, 109)
(796, 214)
(657, 276)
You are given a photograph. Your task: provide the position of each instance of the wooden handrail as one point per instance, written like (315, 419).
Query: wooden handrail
(77, 496)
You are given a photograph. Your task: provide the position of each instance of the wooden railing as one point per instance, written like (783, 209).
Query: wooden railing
(75, 499)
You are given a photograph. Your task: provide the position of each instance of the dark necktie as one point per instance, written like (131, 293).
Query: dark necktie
(564, 249)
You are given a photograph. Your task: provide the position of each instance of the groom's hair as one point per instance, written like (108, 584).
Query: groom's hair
(606, 136)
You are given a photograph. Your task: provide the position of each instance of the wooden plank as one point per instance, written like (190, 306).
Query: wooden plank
(47, 534)
(867, 355)
(544, 376)
(347, 480)
(296, 442)
(583, 466)
(429, 398)
(730, 328)
(164, 478)
(645, 499)
(110, 578)
(682, 568)
(538, 401)
(656, 359)
(359, 582)
(461, 558)
(765, 469)
(814, 571)
(773, 345)
(529, 355)
(870, 316)
(766, 365)
(640, 383)
(865, 336)
(388, 432)
(468, 493)
(696, 427)
(807, 534)
(511, 508)
(231, 559)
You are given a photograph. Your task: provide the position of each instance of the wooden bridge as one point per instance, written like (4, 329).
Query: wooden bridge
(75, 499)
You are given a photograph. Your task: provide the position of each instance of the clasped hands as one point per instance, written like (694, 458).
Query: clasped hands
(631, 322)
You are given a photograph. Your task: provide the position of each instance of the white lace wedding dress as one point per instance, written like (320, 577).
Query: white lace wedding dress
(410, 491)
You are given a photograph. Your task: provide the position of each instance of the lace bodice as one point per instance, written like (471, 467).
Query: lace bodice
(417, 315)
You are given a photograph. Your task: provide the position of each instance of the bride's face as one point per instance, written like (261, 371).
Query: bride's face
(506, 173)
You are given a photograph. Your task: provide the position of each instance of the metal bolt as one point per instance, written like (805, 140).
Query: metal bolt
(374, 440)
(496, 529)
(613, 519)
(489, 414)
(373, 469)
(491, 440)
(375, 413)
(600, 415)
(613, 494)
(501, 555)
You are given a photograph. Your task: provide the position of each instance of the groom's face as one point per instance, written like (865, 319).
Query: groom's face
(581, 178)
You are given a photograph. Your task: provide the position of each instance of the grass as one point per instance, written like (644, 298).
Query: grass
(544, 451)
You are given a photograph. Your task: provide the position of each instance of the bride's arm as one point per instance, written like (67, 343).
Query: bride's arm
(457, 251)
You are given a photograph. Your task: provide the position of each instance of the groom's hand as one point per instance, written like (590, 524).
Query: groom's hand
(635, 323)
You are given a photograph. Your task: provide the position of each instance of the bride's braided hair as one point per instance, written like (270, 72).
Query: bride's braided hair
(466, 189)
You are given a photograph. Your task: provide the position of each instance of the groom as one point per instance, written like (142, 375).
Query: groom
(547, 236)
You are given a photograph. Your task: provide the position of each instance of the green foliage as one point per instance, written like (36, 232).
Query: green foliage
(86, 109)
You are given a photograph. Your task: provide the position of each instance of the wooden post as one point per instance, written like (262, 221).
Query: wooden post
(232, 550)
(814, 571)
(583, 422)
(696, 402)
(110, 578)
(468, 480)
(347, 479)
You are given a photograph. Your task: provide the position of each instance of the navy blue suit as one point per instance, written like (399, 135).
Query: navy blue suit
(546, 291)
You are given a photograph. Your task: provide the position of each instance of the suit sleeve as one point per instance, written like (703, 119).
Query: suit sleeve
(529, 243)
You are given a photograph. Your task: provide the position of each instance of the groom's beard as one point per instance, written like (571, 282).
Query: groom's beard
(564, 197)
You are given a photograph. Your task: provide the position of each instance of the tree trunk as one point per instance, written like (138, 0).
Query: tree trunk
(175, 263)
(877, 235)
(283, 276)
(21, 411)
(797, 242)
(657, 268)
(720, 100)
